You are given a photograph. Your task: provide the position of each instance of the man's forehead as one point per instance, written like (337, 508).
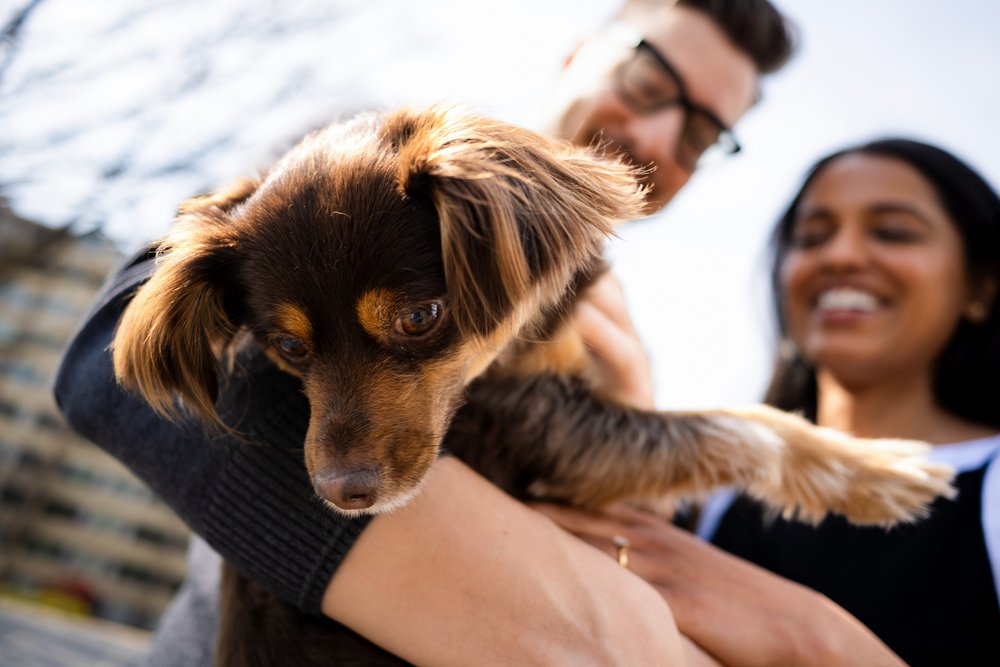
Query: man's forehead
(718, 75)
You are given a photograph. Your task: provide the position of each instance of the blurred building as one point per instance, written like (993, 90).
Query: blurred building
(77, 530)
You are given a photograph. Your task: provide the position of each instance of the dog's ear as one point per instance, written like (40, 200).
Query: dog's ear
(171, 337)
(519, 213)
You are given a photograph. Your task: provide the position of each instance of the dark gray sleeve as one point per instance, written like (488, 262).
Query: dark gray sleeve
(248, 497)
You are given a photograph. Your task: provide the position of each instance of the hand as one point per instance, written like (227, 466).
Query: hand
(607, 331)
(736, 611)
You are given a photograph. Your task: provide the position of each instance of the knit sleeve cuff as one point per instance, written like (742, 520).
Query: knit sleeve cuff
(263, 508)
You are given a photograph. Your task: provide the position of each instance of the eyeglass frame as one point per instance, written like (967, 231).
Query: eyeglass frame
(726, 135)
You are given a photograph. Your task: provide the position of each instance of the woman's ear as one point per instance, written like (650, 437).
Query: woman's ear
(171, 337)
(519, 213)
(983, 294)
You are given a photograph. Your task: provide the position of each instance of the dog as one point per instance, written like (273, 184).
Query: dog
(418, 270)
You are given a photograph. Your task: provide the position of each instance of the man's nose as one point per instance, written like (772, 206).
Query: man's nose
(656, 136)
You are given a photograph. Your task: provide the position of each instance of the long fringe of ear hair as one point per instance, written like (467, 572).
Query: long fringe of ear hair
(170, 339)
(518, 212)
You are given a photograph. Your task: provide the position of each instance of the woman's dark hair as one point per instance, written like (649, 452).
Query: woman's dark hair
(967, 373)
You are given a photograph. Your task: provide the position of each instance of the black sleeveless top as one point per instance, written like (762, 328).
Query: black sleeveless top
(926, 589)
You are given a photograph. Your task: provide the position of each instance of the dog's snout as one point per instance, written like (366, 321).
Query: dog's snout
(354, 489)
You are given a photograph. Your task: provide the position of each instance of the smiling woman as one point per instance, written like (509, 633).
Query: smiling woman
(874, 281)
(885, 275)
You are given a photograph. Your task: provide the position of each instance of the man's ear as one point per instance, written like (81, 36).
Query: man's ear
(519, 213)
(171, 337)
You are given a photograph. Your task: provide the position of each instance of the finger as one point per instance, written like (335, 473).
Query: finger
(628, 513)
(583, 524)
(608, 296)
(622, 355)
(603, 334)
(592, 529)
(666, 534)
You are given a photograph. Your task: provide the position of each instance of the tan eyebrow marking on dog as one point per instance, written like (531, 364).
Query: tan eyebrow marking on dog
(293, 321)
(375, 309)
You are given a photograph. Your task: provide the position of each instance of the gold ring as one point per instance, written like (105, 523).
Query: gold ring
(623, 545)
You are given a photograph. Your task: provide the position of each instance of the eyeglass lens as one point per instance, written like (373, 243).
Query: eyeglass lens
(647, 86)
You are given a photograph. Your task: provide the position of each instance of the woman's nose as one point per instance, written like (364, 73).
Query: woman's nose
(845, 248)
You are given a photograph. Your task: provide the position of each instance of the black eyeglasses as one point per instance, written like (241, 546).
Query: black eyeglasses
(647, 83)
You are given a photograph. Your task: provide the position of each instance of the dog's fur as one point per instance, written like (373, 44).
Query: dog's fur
(418, 271)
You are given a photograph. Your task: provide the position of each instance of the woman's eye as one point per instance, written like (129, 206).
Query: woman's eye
(808, 238)
(896, 233)
(811, 230)
(419, 320)
(291, 348)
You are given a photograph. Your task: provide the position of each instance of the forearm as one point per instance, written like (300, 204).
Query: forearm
(841, 639)
(465, 572)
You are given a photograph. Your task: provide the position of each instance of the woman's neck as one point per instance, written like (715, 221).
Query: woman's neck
(902, 409)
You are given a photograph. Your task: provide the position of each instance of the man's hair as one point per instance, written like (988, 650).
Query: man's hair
(755, 27)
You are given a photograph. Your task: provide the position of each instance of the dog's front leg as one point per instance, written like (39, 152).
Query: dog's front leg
(552, 437)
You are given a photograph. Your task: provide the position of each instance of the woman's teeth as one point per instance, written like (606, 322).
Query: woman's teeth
(845, 298)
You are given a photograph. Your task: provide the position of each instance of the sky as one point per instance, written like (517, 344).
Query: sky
(112, 113)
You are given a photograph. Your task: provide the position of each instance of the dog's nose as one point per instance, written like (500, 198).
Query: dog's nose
(355, 489)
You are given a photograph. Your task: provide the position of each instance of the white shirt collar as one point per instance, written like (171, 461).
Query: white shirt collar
(968, 455)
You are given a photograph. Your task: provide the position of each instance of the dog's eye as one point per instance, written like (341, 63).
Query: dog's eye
(419, 320)
(291, 348)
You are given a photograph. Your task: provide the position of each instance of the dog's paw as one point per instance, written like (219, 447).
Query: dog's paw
(868, 481)
(894, 485)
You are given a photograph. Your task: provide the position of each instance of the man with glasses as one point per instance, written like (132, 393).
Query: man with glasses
(665, 82)
(463, 574)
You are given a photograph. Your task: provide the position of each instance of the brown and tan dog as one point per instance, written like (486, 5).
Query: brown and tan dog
(418, 272)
